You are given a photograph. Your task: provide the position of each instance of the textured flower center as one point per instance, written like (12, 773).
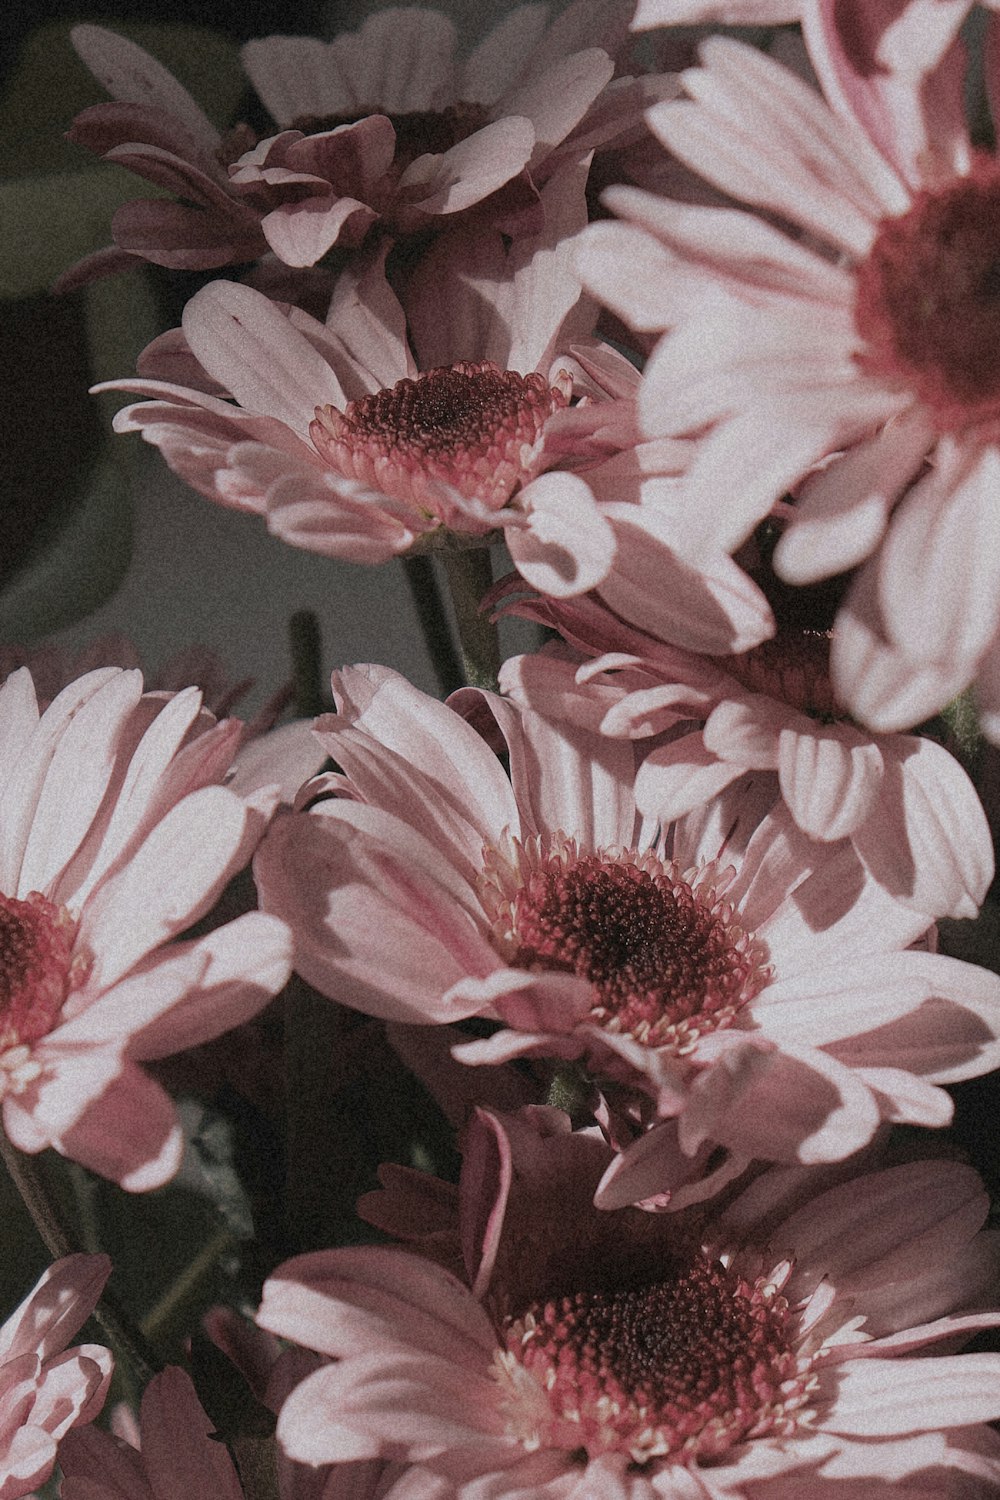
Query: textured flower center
(662, 950)
(420, 132)
(37, 968)
(794, 667)
(688, 1364)
(928, 298)
(474, 427)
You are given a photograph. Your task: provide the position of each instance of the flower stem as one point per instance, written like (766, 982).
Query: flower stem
(26, 1173)
(433, 618)
(469, 575)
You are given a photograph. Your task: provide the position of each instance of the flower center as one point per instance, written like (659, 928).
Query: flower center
(662, 950)
(691, 1363)
(928, 298)
(472, 426)
(37, 967)
(793, 666)
(420, 132)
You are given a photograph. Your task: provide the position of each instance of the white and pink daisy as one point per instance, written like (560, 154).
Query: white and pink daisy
(726, 971)
(46, 1388)
(383, 126)
(906, 804)
(360, 440)
(871, 327)
(786, 1333)
(118, 836)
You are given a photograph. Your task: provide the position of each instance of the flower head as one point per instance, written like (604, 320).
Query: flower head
(383, 126)
(388, 428)
(46, 1388)
(725, 970)
(118, 836)
(861, 335)
(742, 1339)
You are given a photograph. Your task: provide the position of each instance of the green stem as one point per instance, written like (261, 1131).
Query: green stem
(433, 620)
(26, 1173)
(469, 575)
(307, 664)
(255, 1462)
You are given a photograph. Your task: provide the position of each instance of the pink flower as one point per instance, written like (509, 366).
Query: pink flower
(905, 803)
(45, 1391)
(353, 443)
(117, 837)
(726, 970)
(788, 1329)
(381, 126)
(872, 330)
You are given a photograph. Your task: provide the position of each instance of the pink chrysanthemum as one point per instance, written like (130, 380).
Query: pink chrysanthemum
(382, 126)
(45, 1391)
(385, 428)
(117, 837)
(906, 804)
(872, 328)
(756, 984)
(621, 1353)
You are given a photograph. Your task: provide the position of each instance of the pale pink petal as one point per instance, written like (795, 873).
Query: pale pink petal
(830, 778)
(840, 515)
(546, 314)
(883, 687)
(174, 878)
(496, 60)
(931, 845)
(129, 73)
(680, 776)
(388, 928)
(368, 321)
(401, 59)
(129, 1133)
(466, 173)
(876, 1398)
(631, 273)
(64, 771)
(342, 1302)
(556, 99)
(301, 233)
(296, 76)
(794, 1105)
(707, 605)
(179, 1451)
(250, 348)
(393, 1403)
(567, 546)
(653, 13)
(72, 1388)
(746, 731)
(487, 1172)
(56, 1308)
(187, 238)
(939, 569)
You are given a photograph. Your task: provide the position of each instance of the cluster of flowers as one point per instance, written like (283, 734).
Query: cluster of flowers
(656, 921)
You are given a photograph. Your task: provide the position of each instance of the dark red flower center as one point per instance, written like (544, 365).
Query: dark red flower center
(928, 298)
(794, 667)
(690, 1363)
(471, 426)
(36, 967)
(664, 953)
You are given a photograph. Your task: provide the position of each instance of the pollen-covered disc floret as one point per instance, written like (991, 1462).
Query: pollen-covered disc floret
(37, 967)
(472, 426)
(662, 948)
(794, 667)
(928, 298)
(687, 1364)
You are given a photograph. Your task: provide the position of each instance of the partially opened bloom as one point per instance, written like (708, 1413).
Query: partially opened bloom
(358, 440)
(726, 970)
(789, 1329)
(906, 804)
(870, 328)
(383, 126)
(45, 1387)
(118, 836)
